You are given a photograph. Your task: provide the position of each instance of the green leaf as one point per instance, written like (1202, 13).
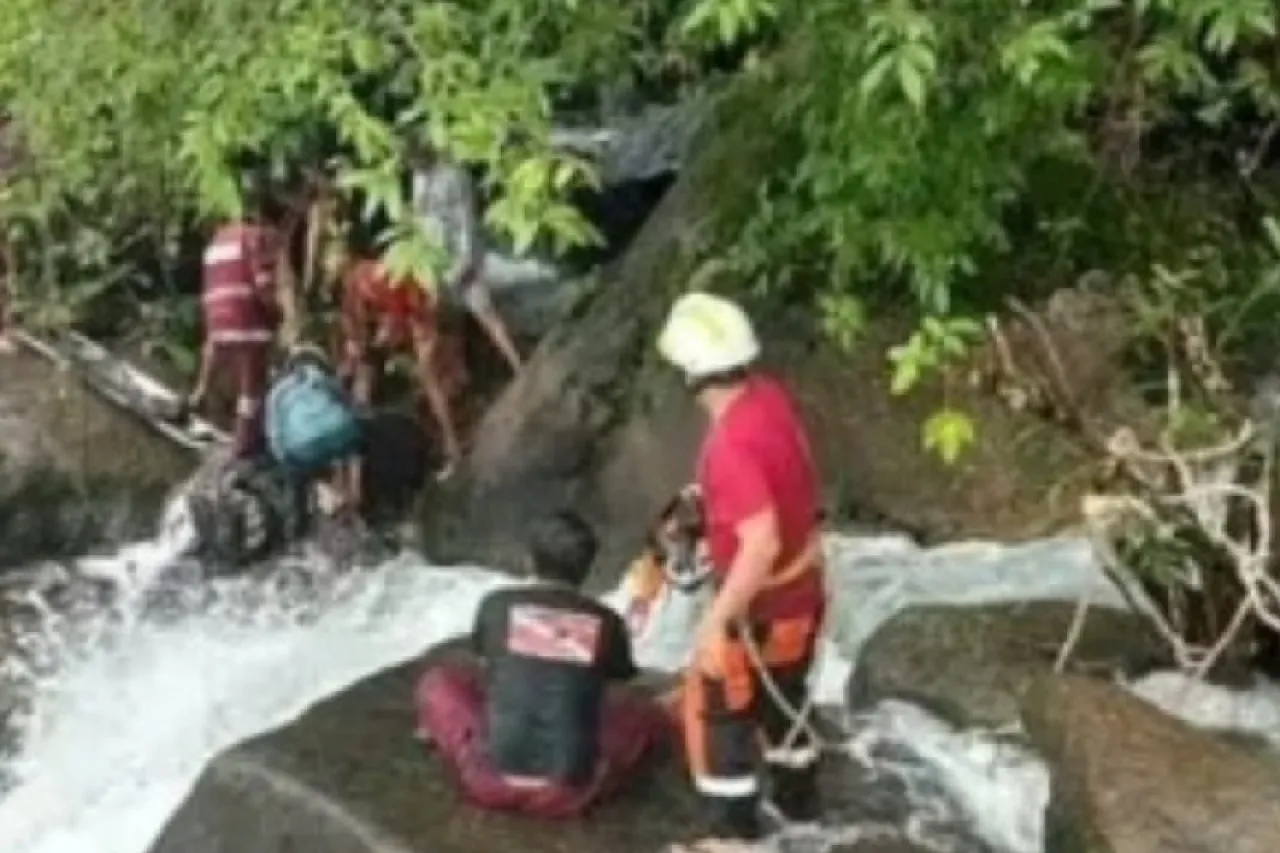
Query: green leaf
(1272, 230)
(911, 80)
(907, 368)
(948, 433)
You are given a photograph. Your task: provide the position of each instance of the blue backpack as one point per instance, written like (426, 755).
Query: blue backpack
(310, 421)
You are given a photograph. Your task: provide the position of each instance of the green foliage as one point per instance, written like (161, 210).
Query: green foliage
(921, 135)
(948, 433)
(134, 111)
(917, 144)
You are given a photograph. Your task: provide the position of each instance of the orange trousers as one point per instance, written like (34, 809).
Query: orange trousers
(732, 726)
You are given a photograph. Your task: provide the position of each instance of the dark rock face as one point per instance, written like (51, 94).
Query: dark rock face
(972, 665)
(349, 778)
(596, 422)
(1128, 778)
(548, 439)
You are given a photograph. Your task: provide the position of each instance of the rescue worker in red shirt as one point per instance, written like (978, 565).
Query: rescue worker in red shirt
(241, 314)
(760, 495)
(380, 314)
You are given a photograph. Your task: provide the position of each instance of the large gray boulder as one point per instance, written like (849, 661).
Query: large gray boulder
(75, 471)
(972, 665)
(1128, 778)
(349, 778)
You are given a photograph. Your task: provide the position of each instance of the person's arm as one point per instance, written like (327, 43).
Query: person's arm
(483, 629)
(353, 323)
(265, 254)
(758, 549)
(208, 352)
(619, 662)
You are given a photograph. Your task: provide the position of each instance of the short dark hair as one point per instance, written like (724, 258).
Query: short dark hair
(562, 547)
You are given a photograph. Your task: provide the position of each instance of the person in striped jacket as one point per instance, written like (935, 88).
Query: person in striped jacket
(241, 314)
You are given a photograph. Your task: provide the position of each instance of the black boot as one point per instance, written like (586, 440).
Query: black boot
(795, 793)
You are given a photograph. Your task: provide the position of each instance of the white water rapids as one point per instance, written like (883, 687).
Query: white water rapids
(125, 709)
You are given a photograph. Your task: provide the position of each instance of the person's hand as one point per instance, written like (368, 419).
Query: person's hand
(710, 647)
(390, 334)
(189, 405)
(671, 701)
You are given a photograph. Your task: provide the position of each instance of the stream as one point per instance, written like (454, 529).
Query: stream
(126, 703)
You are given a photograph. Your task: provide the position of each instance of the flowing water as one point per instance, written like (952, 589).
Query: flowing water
(126, 703)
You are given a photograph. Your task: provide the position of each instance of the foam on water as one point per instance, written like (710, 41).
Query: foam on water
(119, 735)
(130, 710)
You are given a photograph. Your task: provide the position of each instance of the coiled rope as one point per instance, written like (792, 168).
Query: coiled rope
(802, 717)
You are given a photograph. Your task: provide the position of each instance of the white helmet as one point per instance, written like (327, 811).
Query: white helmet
(706, 335)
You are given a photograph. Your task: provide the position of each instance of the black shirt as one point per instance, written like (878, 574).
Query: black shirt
(550, 652)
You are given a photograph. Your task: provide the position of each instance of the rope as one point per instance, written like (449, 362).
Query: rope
(802, 717)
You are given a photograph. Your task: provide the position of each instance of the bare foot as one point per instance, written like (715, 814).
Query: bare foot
(449, 467)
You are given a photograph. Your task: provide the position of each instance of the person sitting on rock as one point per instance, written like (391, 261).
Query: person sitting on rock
(535, 729)
(379, 315)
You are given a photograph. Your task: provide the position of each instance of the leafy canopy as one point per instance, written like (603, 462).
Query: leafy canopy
(141, 106)
(925, 141)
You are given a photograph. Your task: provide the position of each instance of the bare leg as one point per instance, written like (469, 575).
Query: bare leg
(208, 356)
(252, 364)
(362, 391)
(480, 302)
(6, 318)
(437, 401)
(496, 329)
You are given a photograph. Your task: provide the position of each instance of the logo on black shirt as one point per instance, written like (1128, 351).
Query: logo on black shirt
(551, 634)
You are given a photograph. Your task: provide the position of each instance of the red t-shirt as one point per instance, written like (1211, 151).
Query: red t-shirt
(757, 456)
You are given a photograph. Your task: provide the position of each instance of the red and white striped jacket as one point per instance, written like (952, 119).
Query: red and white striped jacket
(239, 284)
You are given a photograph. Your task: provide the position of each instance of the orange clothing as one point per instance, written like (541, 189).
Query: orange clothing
(370, 295)
(406, 309)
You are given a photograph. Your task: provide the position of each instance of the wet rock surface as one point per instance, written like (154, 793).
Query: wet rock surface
(1127, 778)
(972, 665)
(349, 778)
(74, 470)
